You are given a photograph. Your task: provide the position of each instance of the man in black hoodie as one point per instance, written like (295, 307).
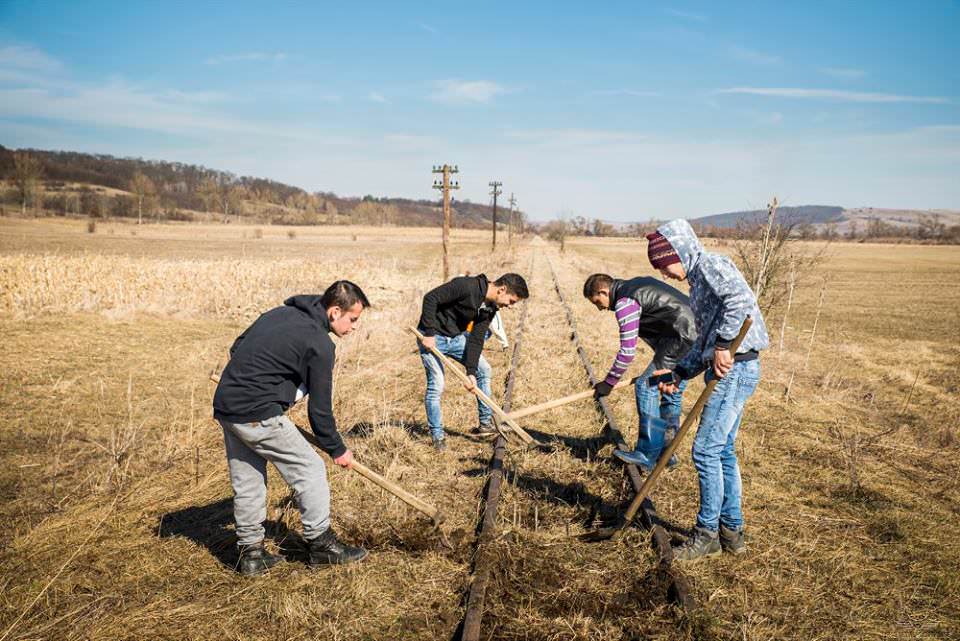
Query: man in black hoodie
(287, 353)
(454, 319)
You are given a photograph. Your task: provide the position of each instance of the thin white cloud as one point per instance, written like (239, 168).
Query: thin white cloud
(376, 96)
(843, 72)
(574, 137)
(629, 93)
(27, 59)
(833, 94)
(427, 28)
(467, 91)
(118, 104)
(686, 15)
(252, 56)
(194, 97)
(753, 56)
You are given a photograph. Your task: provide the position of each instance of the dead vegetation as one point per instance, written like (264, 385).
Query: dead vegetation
(117, 507)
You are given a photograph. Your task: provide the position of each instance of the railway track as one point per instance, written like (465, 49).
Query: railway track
(484, 556)
(672, 582)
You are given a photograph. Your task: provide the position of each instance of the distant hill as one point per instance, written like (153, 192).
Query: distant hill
(860, 222)
(99, 185)
(813, 214)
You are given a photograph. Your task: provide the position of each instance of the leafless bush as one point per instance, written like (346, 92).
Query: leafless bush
(772, 259)
(291, 234)
(91, 226)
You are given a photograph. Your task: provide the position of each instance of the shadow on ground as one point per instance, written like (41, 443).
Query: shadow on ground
(211, 526)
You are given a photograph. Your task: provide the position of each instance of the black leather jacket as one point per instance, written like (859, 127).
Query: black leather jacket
(666, 320)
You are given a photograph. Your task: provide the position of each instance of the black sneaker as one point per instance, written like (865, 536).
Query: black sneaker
(702, 543)
(485, 430)
(732, 540)
(327, 549)
(439, 444)
(255, 560)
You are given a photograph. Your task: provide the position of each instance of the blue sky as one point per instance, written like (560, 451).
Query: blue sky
(621, 111)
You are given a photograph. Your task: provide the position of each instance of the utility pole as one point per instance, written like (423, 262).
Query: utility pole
(445, 185)
(495, 191)
(513, 206)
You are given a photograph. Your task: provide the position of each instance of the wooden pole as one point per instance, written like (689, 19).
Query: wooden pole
(445, 185)
(364, 471)
(503, 416)
(513, 205)
(495, 191)
(566, 400)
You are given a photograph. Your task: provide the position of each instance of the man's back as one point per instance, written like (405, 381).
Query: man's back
(267, 362)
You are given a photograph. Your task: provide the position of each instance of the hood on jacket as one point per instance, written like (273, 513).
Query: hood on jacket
(684, 241)
(310, 303)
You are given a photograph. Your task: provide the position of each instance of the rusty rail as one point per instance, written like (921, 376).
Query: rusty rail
(484, 557)
(675, 583)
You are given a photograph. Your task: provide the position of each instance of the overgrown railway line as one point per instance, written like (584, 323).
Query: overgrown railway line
(673, 583)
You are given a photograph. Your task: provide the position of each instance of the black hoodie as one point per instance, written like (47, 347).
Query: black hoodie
(450, 308)
(285, 349)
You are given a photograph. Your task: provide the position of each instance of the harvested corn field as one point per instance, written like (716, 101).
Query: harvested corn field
(117, 503)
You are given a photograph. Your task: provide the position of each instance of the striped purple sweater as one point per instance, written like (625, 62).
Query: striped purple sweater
(627, 311)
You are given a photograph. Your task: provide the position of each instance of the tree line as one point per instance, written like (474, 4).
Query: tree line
(98, 185)
(930, 228)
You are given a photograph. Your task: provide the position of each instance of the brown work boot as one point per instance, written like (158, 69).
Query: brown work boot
(732, 540)
(702, 543)
(484, 430)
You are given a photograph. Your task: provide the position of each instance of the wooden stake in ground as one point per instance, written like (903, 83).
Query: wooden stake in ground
(816, 321)
(791, 283)
(364, 471)
(449, 364)
(445, 185)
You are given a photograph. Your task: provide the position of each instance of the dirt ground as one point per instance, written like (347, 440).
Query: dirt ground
(117, 507)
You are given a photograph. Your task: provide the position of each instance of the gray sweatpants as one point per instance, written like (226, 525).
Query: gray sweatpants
(249, 447)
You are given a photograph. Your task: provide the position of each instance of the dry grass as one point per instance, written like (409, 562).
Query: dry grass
(105, 408)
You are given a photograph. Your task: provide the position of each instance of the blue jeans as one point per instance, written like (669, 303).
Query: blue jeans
(714, 447)
(651, 403)
(454, 348)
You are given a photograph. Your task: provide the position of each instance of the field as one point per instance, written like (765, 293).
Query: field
(116, 505)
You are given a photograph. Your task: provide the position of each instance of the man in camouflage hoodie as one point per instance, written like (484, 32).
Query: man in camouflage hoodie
(721, 300)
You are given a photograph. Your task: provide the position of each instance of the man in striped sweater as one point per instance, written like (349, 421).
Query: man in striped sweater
(650, 309)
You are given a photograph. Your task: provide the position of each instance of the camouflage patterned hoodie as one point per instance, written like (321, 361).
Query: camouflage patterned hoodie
(719, 297)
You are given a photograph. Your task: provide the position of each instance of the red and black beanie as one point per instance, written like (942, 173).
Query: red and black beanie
(660, 252)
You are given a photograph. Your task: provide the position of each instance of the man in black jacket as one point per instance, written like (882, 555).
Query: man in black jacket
(649, 309)
(454, 319)
(287, 353)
